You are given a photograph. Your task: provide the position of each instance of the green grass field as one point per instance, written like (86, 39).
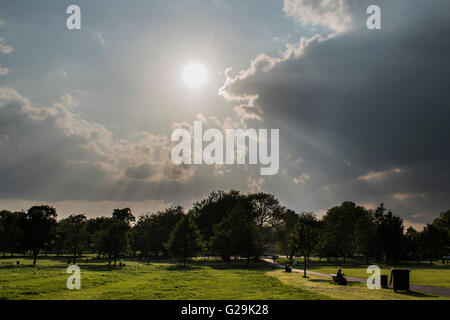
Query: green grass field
(436, 275)
(166, 280)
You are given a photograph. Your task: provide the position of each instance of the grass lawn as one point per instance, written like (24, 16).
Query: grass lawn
(436, 275)
(353, 291)
(165, 280)
(139, 281)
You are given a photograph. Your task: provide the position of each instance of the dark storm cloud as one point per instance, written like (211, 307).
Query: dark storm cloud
(371, 104)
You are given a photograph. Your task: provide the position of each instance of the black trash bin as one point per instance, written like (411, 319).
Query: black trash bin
(400, 279)
(384, 281)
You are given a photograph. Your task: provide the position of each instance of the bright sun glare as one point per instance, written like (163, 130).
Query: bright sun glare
(195, 75)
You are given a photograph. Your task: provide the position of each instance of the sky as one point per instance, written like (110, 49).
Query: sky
(86, 115)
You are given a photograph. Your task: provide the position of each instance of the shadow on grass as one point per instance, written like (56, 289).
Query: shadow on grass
(416, 294)
(178, 267)
(320, 280)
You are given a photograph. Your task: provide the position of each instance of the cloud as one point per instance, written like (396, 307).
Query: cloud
(302, 179)
(337, 15)
(4, 48)
(3, 71)
(373, 177)
(377, 100)
(51, 153)
(408, 196)
(255, 184)
(100, 38)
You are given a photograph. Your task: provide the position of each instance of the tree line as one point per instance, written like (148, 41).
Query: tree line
(231, 225)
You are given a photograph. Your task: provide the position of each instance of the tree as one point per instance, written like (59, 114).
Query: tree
(9, 231)
(114, 235)
(389, 234)
(364, 233)
(94, 228)
(185, 241)
(124, 215)
(288, 219)
(38, 224)
(264, 208)
(212, 210)
(443, 224)
(74, 228)
(338, 235)
(3, 238)
(306, 237)
(433, 242)
(152, 231)
(236, 235)
(411, 244)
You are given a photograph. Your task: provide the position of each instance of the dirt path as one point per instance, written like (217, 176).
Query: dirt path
(427, 289)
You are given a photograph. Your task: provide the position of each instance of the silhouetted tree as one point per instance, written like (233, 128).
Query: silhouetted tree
(339, 230)
(264, 208)
(364, 232)
(185, 241)
(74, 228)
(212, 210)
(389, 234)
(236, 235)
(411, 244)
(9, 231)
(443, 224)
(306, 237)
(38, 224)
(433, 242)
(94, 228)
(288, 220)
(114, 236)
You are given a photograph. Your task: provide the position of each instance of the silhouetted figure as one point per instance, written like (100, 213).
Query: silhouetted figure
(339, 278)
(287, 268)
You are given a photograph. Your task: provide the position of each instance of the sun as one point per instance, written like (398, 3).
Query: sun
(195, 75)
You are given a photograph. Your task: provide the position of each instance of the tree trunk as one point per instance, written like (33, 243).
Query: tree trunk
(304, 266)
(75, 256)
(109, 259)
(34, 257)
